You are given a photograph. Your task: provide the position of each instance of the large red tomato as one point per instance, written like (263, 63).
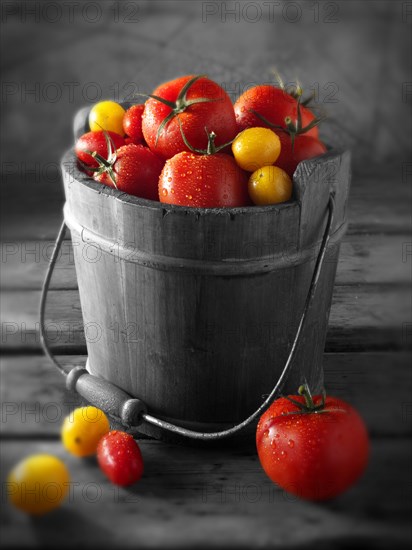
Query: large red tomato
(198, 103)
(305, 147)
(315, 453)
(272, 103)
(205, 181)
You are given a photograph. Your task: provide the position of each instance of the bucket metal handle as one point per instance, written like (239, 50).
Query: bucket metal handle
(131, 411)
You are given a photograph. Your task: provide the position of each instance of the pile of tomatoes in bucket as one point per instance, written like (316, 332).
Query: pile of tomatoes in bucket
(189, 145)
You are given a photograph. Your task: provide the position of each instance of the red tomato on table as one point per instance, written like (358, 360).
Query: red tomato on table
(119, 457)
(315, 455)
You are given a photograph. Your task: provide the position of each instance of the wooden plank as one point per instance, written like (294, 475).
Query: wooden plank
(379, 202)
(214, 498)
(363, 259)
(363, 317)
(379, 385)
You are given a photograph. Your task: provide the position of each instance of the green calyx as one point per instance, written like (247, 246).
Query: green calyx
(211, 147)
(309, 406)
(296, 92)
(181, 103)
(105, 165)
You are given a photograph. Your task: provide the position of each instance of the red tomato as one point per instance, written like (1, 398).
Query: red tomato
(305, 147)
(132, 123)
(274, 104)
(205, 181)
(314, 455)
(95, 141)
(119, 457)
(135, 171)
(203, 104)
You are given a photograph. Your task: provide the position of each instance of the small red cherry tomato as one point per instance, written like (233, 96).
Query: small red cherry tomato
(132, 123)
(135, 170)
(95, 142)
(119, 457)
(305, 147)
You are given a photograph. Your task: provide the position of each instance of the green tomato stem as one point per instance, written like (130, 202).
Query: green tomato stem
(304, 390)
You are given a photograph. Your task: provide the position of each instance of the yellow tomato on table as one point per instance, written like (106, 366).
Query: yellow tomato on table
(38, 484)
(83, 429)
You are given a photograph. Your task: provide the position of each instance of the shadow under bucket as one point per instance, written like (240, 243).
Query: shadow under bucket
(193, 311)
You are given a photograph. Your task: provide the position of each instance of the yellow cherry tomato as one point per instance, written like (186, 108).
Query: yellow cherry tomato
(83, 429)
(269, 185)
(256, 147)
(38, 484)
(107, 115)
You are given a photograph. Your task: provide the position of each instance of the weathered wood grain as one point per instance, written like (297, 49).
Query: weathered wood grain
(363, 317)
(379, 385)
(192, 278)
(208, 498)
(363, 259)
(379, 202)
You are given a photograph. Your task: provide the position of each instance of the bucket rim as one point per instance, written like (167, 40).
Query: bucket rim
(70, 167)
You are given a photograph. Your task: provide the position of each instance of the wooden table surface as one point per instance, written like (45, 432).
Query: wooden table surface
(214, 497)
(355, 57)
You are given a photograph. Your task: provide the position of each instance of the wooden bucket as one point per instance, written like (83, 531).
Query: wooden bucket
(193, 310)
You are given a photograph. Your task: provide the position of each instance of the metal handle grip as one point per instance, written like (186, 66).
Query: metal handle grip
(106, 396)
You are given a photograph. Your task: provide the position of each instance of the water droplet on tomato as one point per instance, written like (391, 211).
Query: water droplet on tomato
(169, 179)
(164, 192)
(291, 443)
(277, 436)
(172, 191)
(283, 454)
(189, 197)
